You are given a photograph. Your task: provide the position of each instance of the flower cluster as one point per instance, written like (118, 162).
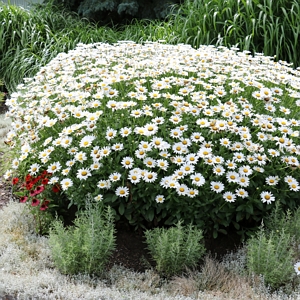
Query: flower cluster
(181, 123)
(32, 190)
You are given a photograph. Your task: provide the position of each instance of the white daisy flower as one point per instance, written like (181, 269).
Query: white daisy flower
(127, 162)
(272, 180)
(197, 179)
(159, 198)
(267, 197)
(192, 193)
(297, 268)
(66, 183)
(34, 169)
(229, 197)
(98, 197)
(134, 177)
(86, 141)
(125, 131)
(149, 176)
(241, 193)
(218, 170)
(149, 162)
(110, 133)
(54, 167)
(122, 191)
(103, 184)
(83, 173)
(114, 177)
(182, 189)
(217, 186)
(80, 156)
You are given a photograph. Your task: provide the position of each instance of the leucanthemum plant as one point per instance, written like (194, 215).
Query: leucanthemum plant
(164, 133)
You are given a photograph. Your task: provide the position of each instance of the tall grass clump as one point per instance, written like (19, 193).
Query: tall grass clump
(86, 246)
(270, 27)
(29, 39)
(160, 133)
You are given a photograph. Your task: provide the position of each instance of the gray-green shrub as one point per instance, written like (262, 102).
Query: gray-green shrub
(175, 248)
(86, 246)
(271, 255)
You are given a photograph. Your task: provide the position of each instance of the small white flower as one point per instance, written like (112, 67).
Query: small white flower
(159, 198)
(83, 174)
(267, 197)
(297, 268)
(229, 197)
(34, 168)
(217, 186)
(87, 141)
(103, 184)
(122, 191)
(114, 177)
(98, 198)
(197, 179)
(127, 162)
(54, 167)
(66, 183)
(241, 193)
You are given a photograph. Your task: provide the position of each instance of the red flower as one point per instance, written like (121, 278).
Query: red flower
(43, 207)
(56, 188)
(29, 186)
(39, 189)
(35, 180)
(35, 202)
(15, 180)
(45, 181)
(23, 199)
(46, 202)
(28, 178)
(44, 173)
(32, 193)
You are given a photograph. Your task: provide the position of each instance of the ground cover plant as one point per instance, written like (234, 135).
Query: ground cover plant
(161, 133)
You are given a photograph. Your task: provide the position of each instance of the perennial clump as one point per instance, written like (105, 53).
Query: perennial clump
(162, 133)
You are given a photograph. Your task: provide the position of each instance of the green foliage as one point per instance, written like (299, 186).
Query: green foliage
(119, 11)
(1, 93)
(289, 221)
(30, 39)
(271, 255)
(175, 248)
(270, 27)
(274, 249)
(85, 247)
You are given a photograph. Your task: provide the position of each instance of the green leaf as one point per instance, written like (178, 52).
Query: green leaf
(239, 216)
(128, 216)
(236, 225)
(121, 208)
(241, 207)
(249, 209)
(215, 234)
(150, 214)
(223, 231)
(20, 194)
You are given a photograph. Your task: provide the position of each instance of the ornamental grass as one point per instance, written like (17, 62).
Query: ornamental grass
(160, 133)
